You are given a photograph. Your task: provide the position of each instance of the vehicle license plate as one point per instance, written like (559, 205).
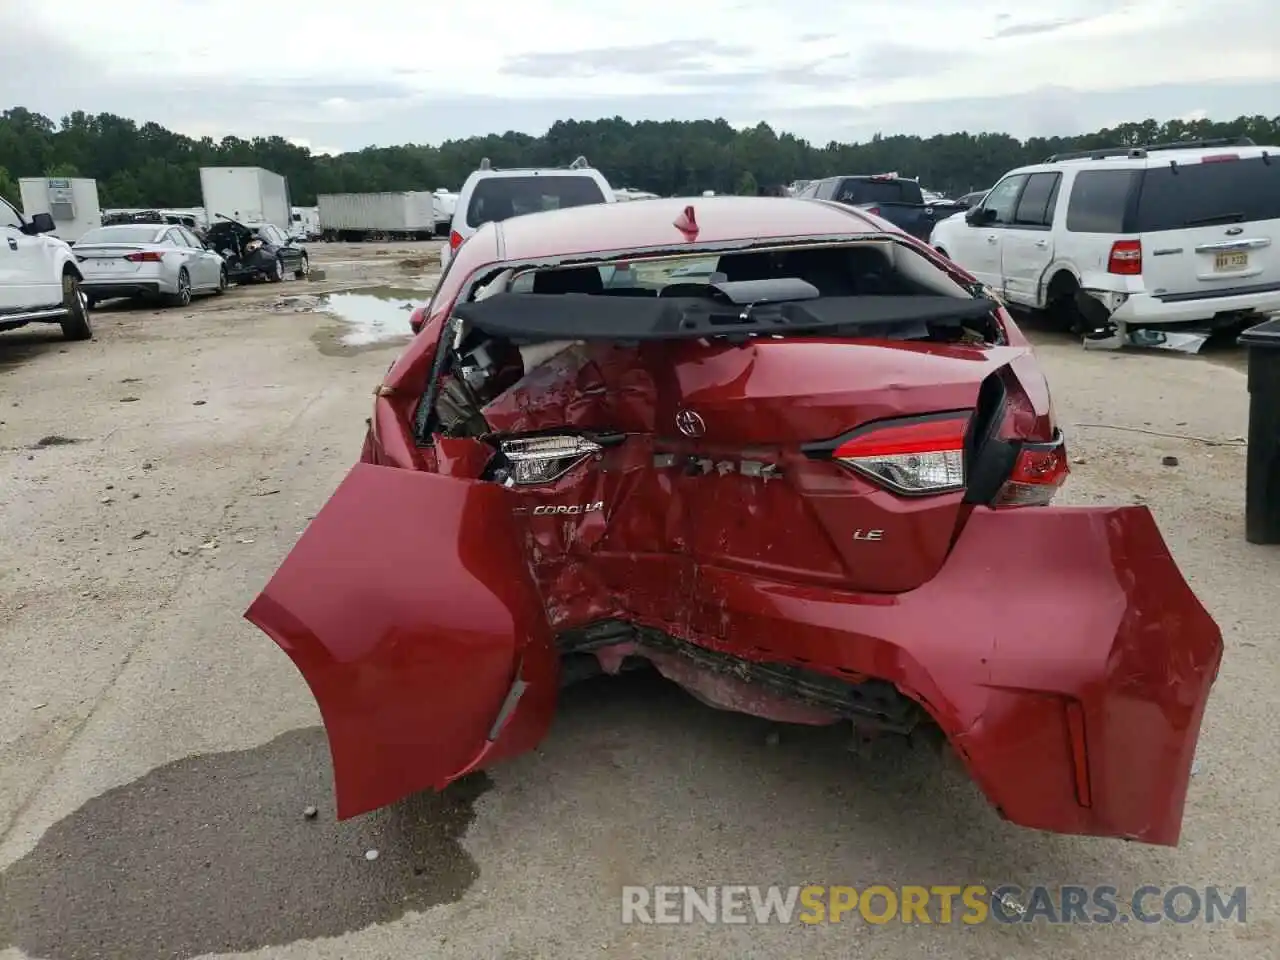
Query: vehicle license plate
(1230, 261)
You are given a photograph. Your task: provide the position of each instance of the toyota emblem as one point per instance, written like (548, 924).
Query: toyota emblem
(690, 424)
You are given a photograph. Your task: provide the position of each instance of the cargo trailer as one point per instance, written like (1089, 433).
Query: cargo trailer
(72, 202)
(353, 217)
(250, 195)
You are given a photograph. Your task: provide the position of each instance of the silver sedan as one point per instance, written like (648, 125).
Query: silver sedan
(147, 261)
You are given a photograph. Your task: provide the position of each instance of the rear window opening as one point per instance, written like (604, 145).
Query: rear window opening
(499, 198)
(1189, 195)
(850, 270)
(518, 322)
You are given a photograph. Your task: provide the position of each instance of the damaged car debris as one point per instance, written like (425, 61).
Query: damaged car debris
(816, 485)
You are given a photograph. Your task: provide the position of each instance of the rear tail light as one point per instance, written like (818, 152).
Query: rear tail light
(455, 240)
(1126, 258)
(914, 458)
(874, 211)
(147, 256)
(544, 459)
(1220, 158)
(1039, 472)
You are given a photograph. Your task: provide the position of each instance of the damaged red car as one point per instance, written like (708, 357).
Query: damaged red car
(778, 450)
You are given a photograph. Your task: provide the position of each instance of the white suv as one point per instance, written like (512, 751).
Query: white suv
(490, 195)
(39, 279)
(1131, 237)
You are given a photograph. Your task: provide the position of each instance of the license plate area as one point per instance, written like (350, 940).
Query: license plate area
(1230, 261)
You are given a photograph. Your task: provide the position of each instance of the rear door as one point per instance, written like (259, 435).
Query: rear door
(408, 607)
(1026, 245)
(1210, 227)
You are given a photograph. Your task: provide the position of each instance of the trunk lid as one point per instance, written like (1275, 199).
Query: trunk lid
(1210, 227)
(111, 257)
(715, 469)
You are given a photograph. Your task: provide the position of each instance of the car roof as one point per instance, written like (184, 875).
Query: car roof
(1149, 160)
(535, 172)
(602, 227)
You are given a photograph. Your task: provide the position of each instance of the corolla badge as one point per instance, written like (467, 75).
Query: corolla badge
(690, 423)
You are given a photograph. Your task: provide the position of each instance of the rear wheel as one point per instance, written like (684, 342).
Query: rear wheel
(304, 268)
(75, 325)
(183, 297)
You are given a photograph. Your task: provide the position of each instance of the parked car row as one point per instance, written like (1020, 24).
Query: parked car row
(44, 279)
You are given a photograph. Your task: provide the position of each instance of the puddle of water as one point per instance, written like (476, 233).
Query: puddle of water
(374, 314)
(213, 854)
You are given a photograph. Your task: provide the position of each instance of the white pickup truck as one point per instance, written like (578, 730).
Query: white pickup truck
(39, 279)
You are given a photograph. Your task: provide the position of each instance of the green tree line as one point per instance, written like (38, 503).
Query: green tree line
(146, 165)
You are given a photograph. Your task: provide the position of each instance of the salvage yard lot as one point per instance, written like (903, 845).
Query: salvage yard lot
(157, 752)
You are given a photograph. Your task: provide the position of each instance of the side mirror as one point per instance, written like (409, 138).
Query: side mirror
(40, 223)
(975, 216)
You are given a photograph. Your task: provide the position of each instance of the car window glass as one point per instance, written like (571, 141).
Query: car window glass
(1000, 201)
(870, 191)
(1099, 199)
(1207, 194)
(500, 198)
(171, 237)
(191, 239)
(1034, 209)
(9, 216)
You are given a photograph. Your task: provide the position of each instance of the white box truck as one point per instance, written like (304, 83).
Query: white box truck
(405, 215)
(250, 195)
(72, 202)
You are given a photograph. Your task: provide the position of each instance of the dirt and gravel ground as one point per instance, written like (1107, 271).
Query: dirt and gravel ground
(157, 753)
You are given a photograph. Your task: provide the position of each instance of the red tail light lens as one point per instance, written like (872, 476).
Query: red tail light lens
(1126, 258)
(455, 240)
(1220, 158)
(147, 256)
(1038, 474)
(874, 211)
(914, 458)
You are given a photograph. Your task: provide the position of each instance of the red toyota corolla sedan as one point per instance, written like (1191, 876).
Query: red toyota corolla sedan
(775, 449)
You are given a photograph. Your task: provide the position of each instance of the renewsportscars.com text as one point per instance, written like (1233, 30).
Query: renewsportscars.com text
(939, 904)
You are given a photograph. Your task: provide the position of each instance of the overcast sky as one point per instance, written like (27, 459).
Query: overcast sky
(341, 75)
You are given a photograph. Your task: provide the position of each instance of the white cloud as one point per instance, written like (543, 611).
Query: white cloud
(318, 71)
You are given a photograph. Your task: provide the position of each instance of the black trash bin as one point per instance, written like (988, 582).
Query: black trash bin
(1262, 479)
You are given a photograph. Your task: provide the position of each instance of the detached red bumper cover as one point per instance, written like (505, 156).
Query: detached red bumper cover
(1059, 649)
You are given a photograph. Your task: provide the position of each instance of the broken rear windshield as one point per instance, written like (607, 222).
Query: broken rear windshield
(1206, 194)
(499, 198)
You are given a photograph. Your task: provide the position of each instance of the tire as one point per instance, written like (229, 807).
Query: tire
(75, 325)
(277, 273)
(1061, 308)
(183, 297)
(304, 268)
(222, 281)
